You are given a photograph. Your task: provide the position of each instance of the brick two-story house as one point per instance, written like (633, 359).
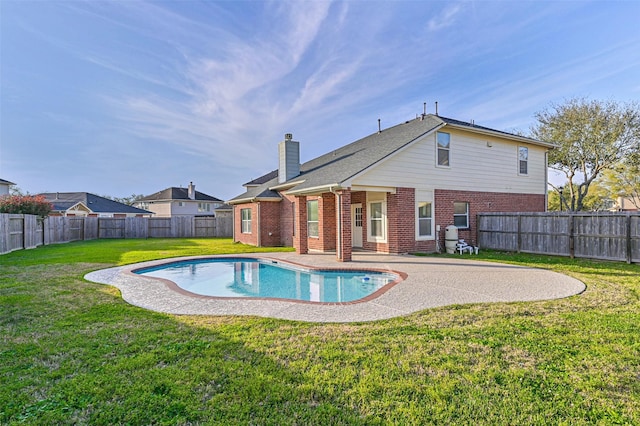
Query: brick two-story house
(394, 191)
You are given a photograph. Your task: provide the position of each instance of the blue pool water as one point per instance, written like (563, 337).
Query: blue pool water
(243, 277)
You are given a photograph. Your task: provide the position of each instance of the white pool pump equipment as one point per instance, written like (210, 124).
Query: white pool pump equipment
(450, 238)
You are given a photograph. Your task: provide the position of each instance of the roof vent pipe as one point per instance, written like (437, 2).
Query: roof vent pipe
(379, 130)
(436, 107)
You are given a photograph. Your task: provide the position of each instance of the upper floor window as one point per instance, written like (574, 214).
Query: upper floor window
(312, 218)
(425, 218)
(461, 215)
(443, 148)
(180, 203)
(204, 207)
(245, 217)
(523, 160)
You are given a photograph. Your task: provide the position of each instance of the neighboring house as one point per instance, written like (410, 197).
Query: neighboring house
(180, 202)
(623, 204)
(87, 204)
(394, 191)
(4, 187)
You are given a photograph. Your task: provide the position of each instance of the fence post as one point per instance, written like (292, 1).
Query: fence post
(519, 232)
(572, 248)
(24, 231)
(629, 246)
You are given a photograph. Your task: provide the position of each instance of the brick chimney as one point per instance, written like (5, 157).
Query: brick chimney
(289, 158)
(191, 191)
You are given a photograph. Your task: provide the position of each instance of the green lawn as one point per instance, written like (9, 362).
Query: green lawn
(73, 352)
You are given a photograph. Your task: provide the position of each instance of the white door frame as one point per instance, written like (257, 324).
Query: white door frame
(356, 231)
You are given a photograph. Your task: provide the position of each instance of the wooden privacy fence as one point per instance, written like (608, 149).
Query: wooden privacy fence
(614, 236)
(19, 231)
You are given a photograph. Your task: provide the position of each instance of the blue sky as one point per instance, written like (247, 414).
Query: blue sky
(131, 97)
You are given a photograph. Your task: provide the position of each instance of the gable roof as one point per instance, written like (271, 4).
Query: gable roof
(338, 166)
(174, 193)
(6, 182)
(62, 201)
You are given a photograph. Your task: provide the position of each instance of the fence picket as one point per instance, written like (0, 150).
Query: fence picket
(614, 236)
(27, 231)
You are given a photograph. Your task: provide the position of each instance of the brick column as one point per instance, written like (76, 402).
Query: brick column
(343, 211)
(300, 242)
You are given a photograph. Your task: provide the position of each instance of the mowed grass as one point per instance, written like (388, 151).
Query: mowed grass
(73, 352)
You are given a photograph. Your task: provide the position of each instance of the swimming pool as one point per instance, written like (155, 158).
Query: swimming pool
(247, 277)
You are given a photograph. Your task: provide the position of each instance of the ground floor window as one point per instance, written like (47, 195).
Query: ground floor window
(461, 215)
(377, 218)
(312, 218)
(425, 219)
(245, 215)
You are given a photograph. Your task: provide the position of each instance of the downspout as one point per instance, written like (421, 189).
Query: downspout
(258, 230)
(338, 223)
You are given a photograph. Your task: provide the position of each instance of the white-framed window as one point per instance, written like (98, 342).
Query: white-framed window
(523, 160)
(312, 218)
(461, 214)
(443, 147)
(425, 219)
(204, 207)
(180, 203)
(245, 217)
(377, 217)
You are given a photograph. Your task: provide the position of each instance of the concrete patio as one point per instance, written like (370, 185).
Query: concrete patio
(430, 282)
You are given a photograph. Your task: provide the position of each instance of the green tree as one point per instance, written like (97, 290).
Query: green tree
(599, 198)
(592, 136)
(624, 179)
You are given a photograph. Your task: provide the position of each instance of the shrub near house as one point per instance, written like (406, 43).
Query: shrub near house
(25, 204)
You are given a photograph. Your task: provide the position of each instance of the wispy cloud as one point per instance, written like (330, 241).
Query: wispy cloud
(211, 86)
(513, 103)
(445, 19)
(247, 89)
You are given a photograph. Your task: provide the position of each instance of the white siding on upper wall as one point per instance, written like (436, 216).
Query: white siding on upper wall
(478, 163)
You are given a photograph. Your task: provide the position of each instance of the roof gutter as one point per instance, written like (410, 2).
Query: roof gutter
(253, 200)
(316, 189)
